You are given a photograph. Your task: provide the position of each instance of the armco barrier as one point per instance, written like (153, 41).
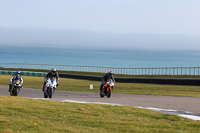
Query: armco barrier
(94, 78)
(169, 81)
(26, 73)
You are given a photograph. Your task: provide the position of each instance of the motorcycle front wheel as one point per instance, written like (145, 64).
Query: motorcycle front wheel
(14, 91)
(50, 92)
(109, 93)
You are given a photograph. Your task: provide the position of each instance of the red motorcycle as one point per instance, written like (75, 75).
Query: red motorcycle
(107, 89)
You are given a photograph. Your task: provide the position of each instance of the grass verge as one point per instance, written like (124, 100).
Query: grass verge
(20, 114)
(68, 84)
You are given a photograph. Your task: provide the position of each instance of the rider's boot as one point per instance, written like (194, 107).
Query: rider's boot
(54, 90)
(10, 86)
(43, 88)
(101, 89)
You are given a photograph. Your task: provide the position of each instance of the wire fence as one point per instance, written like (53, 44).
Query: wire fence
(127, 71)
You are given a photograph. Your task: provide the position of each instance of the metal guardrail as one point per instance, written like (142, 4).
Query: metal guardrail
(167, 81)
(128, 71)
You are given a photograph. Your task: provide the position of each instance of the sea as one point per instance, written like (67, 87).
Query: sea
(99, 57)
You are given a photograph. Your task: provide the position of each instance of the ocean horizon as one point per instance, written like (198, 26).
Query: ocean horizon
(99, 57)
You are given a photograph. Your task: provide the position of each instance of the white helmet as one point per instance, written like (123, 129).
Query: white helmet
(53, 70)
(109, 72)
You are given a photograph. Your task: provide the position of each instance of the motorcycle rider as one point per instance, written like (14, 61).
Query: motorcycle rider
(14, 76)
(105, 78)
(52, 73)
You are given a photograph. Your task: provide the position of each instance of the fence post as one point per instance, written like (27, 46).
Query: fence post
(185, 71)
(177, 70)
(181, 70)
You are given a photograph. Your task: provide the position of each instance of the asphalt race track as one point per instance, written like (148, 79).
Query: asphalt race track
(166, 104)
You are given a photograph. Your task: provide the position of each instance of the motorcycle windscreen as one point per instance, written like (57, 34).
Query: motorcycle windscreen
(110, 81)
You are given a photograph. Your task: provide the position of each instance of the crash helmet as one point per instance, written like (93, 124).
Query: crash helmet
(110, 72)
(53, 70)
(18, 72)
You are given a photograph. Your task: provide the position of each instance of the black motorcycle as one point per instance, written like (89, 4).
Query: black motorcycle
(16, 87)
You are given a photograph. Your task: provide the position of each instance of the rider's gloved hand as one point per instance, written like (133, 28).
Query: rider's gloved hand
(57, 84)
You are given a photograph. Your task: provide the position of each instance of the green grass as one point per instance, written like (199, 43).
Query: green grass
(101, 74)
(68, 84)
(18, 114)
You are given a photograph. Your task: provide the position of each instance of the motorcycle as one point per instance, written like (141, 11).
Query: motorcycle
(16, 87)
(50, 87)
(107, 89)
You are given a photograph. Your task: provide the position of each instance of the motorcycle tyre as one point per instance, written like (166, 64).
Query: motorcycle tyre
(109, 93)
(14, 91)
(50, 92)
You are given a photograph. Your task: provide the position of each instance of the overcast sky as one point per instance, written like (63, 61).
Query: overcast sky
(142, 24)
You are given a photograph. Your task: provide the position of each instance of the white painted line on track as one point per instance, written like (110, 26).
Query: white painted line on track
(169, 111)
(197, 118)
(186, 114)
